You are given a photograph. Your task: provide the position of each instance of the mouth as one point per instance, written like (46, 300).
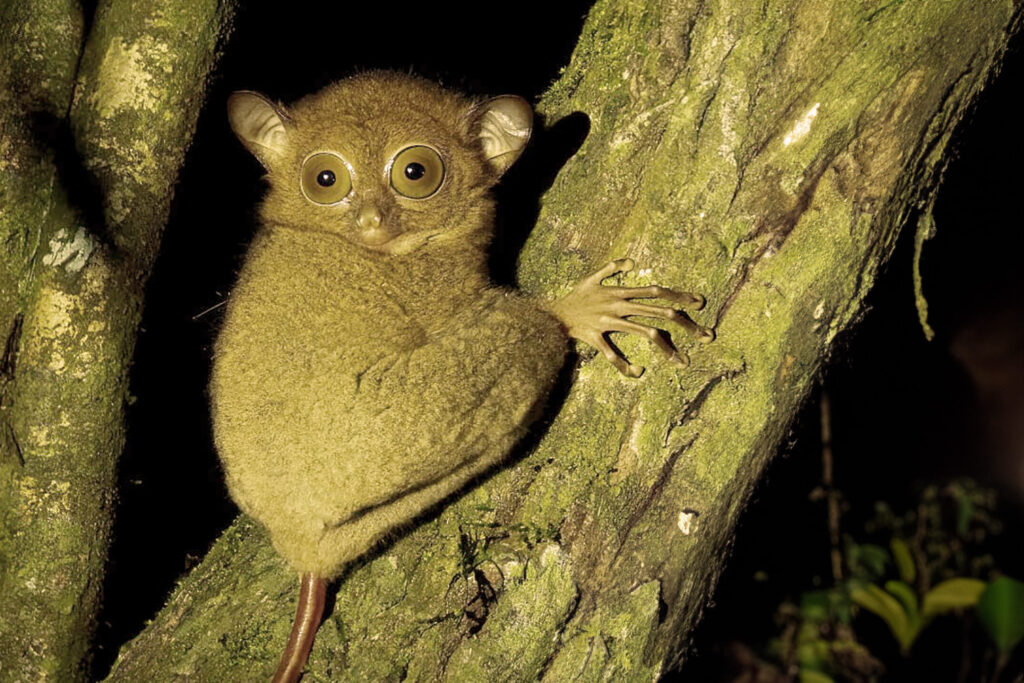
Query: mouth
(408, 242)
(377, 237)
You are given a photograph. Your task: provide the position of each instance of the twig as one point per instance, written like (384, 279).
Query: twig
(828, 483)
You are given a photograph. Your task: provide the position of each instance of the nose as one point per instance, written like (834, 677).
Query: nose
(368, 217)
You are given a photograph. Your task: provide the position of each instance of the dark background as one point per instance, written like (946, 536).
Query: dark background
(905, 411)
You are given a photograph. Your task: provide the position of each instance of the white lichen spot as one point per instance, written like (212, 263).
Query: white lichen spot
(644, 272)
(802, 127)
(552, 554)
(703, 214)
(819, 310)
(687, 521)
(71, 253)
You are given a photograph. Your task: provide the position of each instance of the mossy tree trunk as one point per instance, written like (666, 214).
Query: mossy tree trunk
(93, 130)
(764, 153)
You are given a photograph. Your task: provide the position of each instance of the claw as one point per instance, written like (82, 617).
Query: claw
(634, 371)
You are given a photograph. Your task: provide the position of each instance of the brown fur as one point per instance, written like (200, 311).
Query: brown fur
(353, 388)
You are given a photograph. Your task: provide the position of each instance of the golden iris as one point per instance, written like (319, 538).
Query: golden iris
(417, 172)
(325, 178)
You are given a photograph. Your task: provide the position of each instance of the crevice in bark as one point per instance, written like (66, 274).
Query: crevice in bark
(9, 359)
(777, 228)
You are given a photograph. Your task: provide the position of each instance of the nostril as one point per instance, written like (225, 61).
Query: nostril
(368, 217)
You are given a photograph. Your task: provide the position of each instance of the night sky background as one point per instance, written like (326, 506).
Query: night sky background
(905, 411)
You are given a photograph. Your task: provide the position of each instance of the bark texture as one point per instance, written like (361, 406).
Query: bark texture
(92, 133)
(764, 153)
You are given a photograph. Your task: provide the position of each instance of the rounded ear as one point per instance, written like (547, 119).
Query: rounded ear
(504, 124)
(259, 124)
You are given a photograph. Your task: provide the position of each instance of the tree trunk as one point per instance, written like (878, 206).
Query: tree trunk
(764, 154)
(88, 162)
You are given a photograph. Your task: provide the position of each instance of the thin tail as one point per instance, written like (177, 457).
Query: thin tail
(312, 595)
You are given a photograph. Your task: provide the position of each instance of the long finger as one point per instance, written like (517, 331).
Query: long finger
(696, 301)
(652, 333)
(621, 265)
(620, 363)
(665, 313)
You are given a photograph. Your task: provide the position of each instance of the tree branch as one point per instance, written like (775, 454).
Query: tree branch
(80, 275)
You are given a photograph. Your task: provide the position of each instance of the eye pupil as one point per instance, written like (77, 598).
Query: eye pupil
(415, 171)
(325, 178)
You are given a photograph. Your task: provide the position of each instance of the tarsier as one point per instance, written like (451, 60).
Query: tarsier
(367, 368)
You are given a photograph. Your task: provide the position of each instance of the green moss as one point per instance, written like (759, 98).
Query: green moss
(513, 642)
(610, 645)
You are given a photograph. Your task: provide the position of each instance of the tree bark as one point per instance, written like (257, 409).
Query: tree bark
(763, 153)
(88, 162)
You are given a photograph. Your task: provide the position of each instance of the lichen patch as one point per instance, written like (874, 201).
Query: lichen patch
(802, 127)
(34, 497)
(125, 81)
(53, 319)
(687, 521)
(71, 253)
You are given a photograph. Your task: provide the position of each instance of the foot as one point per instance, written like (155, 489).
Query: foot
(592, 310)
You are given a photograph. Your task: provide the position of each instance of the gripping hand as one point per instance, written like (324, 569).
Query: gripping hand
(592, 310)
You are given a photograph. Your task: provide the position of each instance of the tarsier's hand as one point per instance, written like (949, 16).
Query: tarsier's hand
(592, 310)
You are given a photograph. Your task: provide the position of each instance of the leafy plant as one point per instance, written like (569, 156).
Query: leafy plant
(1001, 611)
(931, 561)
(898, 604)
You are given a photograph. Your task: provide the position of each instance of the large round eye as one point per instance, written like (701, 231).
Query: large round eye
(325, 178)
(417, 172)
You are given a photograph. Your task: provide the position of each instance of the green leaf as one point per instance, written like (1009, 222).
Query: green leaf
(866, 560)
(908, 598)
(904, 560)
(1001, 609)
(812, 676)
(877, 601)
(951, 595)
